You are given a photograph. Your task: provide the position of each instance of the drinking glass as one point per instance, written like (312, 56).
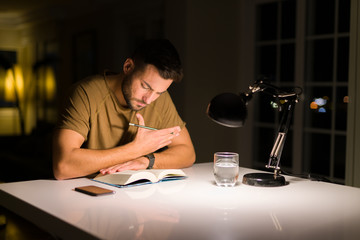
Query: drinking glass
(226, 168)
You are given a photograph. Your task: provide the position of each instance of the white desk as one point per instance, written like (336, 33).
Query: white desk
(194, 208)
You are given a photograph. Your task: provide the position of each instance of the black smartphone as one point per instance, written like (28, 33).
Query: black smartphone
(94, 190)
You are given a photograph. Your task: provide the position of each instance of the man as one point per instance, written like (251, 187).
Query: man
(94, 134)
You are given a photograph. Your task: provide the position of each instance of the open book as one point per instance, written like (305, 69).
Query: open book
(139, 177)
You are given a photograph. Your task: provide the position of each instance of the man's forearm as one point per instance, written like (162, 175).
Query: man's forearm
(179, 156)
(81, 162)
(70, 161)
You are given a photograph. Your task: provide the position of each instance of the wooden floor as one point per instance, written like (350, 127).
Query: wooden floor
(13, 227)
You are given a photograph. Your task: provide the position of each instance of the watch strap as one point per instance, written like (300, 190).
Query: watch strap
(151, 158)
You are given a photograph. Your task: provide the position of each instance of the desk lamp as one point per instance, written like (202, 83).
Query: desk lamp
(229, 109)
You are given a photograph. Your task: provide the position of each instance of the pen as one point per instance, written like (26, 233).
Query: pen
(142, 126)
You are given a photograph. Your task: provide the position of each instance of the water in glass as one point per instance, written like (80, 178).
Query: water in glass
(226, 173)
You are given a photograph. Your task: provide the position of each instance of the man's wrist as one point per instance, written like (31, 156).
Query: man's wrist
(151, 158)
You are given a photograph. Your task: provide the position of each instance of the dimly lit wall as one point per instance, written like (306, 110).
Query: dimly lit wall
(210, 39)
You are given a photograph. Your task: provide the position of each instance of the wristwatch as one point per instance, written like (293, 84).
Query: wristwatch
(151, 158)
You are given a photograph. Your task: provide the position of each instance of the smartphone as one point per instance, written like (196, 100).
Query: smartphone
(94, 190)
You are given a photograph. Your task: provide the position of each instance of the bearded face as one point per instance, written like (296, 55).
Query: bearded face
(142, 87)
(127, 90)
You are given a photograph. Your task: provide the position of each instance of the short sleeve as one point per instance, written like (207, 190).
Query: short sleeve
(76, 112)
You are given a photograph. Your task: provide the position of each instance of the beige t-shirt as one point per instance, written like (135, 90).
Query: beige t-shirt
(93, 111)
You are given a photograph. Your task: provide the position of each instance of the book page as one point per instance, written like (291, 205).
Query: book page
(126, 177)
(131, 176)
(163, 173)
(143, 174)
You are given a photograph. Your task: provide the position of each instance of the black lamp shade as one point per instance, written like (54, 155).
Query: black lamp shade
(228, 109)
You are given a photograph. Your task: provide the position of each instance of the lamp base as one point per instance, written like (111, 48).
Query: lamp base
(264, 180)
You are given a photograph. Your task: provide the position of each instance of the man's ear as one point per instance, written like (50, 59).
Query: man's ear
(128, 66)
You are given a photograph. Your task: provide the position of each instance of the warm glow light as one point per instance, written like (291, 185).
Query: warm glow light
(283, 101)
(50, 83)
(14, 84)
(9, 91)
(346, 99)
(19, 81)
(313, 105)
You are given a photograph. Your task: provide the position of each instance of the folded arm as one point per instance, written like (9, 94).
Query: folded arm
(179, 153)
(70, 160)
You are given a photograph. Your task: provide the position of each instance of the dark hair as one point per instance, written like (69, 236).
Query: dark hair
(163, 55)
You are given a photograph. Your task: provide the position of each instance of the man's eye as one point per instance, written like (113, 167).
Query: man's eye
(144, 86)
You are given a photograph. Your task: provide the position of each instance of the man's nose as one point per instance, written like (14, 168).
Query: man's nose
(149, 97)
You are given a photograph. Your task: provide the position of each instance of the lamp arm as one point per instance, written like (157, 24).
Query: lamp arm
(276, 152)
(264, 86)
(291, 98)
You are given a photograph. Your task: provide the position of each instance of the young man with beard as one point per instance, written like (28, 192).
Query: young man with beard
(93, 133)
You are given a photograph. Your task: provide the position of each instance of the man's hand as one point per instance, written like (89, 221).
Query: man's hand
(136, 164)
(148, 141)
(152, 140)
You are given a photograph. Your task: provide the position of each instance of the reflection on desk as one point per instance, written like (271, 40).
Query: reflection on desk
(194, 208)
